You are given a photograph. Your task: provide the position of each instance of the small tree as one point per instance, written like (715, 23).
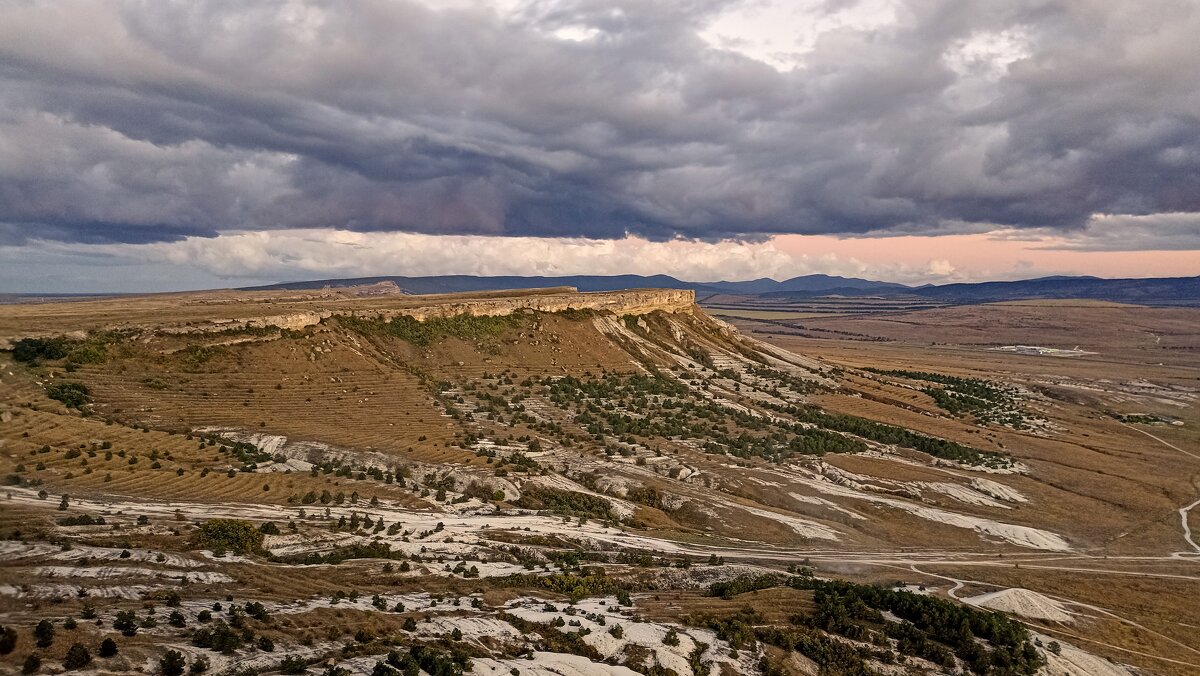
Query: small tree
(108, 648)
(126, 623)
(44, 633)
(77, 657)
(65, 503)
(31, 664)
(8, 640)
(172, 664)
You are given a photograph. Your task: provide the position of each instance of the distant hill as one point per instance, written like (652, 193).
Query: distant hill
(467, 283)
(1155, 291)
(809, 284)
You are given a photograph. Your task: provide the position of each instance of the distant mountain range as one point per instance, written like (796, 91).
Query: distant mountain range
(464, 283)
(1153, 291)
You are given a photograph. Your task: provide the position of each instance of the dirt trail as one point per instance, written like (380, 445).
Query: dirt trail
(1160, 440)
(1077, 637)
(951, 592)
(1187, 530)
(1186, 509)
(958, 584)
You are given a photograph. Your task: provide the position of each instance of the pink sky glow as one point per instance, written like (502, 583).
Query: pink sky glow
(976, 257)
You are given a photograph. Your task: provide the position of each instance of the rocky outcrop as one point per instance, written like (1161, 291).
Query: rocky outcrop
(494, 304)
(633, 302)
(292, 321)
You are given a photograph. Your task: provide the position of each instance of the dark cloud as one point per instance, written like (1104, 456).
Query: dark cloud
(139, 121)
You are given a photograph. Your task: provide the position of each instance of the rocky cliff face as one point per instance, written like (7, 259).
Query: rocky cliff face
(290, 321)
(183, 315)
(632, 302)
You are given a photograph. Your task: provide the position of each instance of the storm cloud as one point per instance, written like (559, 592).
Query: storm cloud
(157, 121)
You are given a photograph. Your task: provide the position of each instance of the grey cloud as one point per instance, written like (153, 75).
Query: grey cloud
(139, 121)
(1156, 232)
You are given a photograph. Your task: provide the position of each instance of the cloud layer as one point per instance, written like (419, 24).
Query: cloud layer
(155, 120)
(257, 257)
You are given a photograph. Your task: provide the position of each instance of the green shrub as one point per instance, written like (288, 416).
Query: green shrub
(194, 356)
(77, 657)
(91, 353)
(33, 350)
(567, 503)
(73, 395)
(172, 664)
(464, 326)
(293, 664)
(234, 535)
(44, 634)
(219, 637)
(741, 584)
(126, 623)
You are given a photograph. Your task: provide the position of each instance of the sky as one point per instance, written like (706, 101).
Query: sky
(156, 145)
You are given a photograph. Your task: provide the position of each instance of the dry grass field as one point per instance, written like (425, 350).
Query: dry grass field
(534, 478)
(1120, 485)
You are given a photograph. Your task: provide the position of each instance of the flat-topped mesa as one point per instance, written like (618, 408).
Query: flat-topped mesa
(630, 302)
(487, 303)
(215, 312)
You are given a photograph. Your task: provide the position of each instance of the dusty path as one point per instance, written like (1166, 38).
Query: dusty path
(951, 592)
(958, 584)
(1187, 530)
(1077, 637)
(1160, 440)
(1185, 510)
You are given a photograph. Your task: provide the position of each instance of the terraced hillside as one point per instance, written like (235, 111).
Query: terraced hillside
(551, 482)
